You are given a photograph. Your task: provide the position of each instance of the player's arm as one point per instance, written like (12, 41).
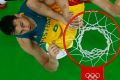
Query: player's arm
(49, 62)
(108, 7)
(64, 5)
(45, 10)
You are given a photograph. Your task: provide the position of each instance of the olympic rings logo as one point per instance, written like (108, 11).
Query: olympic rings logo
(92, 76)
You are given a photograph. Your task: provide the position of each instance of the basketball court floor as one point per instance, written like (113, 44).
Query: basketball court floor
(15, 64)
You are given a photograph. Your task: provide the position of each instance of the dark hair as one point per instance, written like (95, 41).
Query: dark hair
(6, 24)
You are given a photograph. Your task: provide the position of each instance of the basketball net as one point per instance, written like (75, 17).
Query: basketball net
(93, 60)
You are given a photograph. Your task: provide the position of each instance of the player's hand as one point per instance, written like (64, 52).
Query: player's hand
(69, 16)
(77, 22)
(53, 50)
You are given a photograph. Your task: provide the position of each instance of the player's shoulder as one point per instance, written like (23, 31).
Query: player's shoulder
(23, 39)
(25, 42)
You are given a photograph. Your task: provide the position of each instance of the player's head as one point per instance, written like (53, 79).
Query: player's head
(15, 24)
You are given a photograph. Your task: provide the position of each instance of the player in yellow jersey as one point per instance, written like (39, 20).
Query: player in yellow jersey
(41, 22)
(54, 29)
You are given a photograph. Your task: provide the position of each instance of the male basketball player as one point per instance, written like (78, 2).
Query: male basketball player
(32, 28)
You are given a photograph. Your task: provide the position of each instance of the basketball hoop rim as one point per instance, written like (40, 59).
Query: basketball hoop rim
(70, 21)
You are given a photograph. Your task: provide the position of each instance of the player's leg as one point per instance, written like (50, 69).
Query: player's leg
(117, 2)
(107, 6)
(117, 8)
